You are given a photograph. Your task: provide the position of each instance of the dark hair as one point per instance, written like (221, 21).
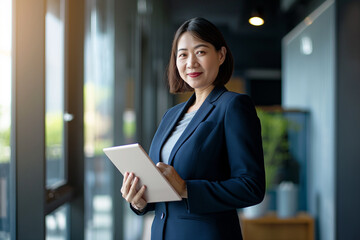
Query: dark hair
(208, 32)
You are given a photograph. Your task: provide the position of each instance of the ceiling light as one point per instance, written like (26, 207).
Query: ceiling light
(306, 46)
(256, 18)
(256, 21)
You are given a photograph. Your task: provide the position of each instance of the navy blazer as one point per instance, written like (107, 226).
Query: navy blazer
(220, 157)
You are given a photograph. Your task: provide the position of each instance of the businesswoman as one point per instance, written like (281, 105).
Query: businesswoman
(209, 148)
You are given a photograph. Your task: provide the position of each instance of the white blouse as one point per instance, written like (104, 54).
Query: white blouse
(175, 135)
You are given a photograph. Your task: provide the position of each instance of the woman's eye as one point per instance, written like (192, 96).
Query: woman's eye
(182, 55)
(200, 52)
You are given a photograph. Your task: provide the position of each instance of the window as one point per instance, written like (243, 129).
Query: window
(56, 224)
(5, 119)
(55, 81)
(56, 120)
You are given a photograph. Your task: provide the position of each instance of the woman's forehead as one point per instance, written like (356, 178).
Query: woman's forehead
(190, 38)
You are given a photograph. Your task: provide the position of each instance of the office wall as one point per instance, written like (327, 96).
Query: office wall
(348, 119)
(308, 53)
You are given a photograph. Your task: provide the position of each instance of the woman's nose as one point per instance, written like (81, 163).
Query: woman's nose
(192, 61)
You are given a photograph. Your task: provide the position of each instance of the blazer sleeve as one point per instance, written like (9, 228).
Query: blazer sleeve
(246, 185)
(149, 207)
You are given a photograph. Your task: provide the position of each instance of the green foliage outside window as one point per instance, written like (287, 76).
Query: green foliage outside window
(5, 145)
(98, 119)
(274, 129)
(4, 135)
(54, 135)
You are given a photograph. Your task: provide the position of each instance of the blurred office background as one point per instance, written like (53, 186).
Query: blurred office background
(78, 76)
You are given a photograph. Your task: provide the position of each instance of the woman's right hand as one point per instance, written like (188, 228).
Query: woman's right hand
(129, 193)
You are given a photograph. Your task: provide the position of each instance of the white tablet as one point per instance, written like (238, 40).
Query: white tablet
(133, 158)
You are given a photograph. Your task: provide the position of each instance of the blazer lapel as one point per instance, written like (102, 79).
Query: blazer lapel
(173, 121)
(201, 114)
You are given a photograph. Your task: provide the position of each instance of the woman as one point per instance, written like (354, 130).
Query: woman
(209, 148)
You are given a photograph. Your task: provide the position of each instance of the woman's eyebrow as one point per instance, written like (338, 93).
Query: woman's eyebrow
(197, 46)
(201, 45)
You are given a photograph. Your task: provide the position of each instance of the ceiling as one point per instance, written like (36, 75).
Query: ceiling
(235, 13)
(252, 47)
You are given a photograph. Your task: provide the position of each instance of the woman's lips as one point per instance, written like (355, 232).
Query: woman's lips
(194, 74)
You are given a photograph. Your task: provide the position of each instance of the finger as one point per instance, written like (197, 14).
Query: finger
(127, 185)
(132, 191)
(126, 175)
(124, 180)
(162, 166)
(141, 191)
(166, 169)
(138, 198)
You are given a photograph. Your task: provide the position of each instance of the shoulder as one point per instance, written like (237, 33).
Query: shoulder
(232, 98)
(237, 104)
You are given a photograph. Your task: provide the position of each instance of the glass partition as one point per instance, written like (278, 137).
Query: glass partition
(124, 99)
(98, 119)
(284, 138)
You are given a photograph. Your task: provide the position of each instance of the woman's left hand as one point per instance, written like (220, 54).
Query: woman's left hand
(174, 178)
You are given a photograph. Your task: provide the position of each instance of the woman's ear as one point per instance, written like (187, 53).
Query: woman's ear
(222, 54)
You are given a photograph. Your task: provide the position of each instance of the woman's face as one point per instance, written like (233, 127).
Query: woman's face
(198, 61)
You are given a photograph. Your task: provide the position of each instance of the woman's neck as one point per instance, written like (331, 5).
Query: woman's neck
(200, 96)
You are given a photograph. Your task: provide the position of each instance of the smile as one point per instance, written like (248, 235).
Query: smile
(194, 74)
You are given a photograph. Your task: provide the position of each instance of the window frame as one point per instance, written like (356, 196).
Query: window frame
(28, 161)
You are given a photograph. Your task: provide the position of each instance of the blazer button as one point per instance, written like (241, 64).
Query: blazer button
(162, 215)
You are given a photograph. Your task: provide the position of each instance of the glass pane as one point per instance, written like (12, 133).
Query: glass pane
(99, 98)
(56, 224)
(54, 40)
(5, 117)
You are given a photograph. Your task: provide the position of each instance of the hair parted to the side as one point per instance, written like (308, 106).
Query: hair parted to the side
(208, 32)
